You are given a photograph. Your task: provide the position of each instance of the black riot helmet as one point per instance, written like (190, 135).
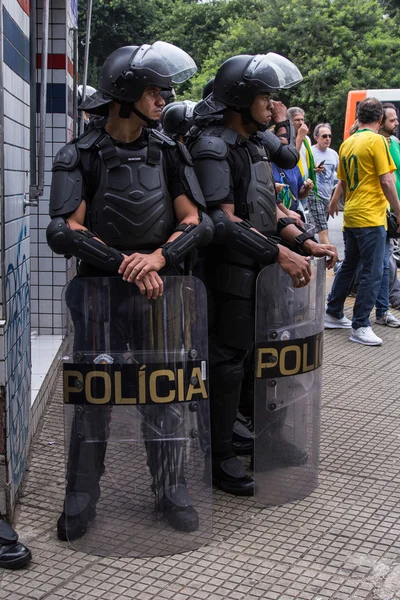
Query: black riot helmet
(208, 88)
(241, 78)
(177, 118)
(130, 69)
(168, 95)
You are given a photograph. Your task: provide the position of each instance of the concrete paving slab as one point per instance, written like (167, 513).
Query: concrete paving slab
(340, 543)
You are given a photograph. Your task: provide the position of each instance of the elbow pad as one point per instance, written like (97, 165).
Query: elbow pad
(240, 237)
(192, 236)
(83, 245)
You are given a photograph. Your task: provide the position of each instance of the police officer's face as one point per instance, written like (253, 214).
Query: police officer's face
(261, 109)
(151, 103)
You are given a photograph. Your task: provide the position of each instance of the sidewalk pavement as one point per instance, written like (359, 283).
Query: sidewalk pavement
(340, 543)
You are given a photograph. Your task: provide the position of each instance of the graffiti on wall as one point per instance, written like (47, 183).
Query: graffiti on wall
(18, 358)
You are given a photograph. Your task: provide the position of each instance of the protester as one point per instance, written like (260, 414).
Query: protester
(387, 295)
(326, 161)
(365, 170)
(289, 184)
(303, 144)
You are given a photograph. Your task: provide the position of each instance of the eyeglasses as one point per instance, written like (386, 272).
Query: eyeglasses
(326, 135)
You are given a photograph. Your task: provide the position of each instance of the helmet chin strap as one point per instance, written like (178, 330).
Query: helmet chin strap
(248, 118)
(128, 108)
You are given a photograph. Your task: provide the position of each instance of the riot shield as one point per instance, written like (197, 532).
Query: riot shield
(136, 413)
(287, 388)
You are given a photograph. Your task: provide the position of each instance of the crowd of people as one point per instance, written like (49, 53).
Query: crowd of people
(232, 188)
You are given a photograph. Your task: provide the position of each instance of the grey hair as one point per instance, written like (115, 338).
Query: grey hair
(319, 126)
(294, 110)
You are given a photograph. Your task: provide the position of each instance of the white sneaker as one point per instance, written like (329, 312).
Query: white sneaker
(365, 335)
(334, 323)
(388, 319)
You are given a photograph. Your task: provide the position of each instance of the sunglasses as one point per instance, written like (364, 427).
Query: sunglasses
(326, 135)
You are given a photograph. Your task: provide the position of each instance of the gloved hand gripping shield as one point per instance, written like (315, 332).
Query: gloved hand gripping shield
(136, 414)
(288, 383)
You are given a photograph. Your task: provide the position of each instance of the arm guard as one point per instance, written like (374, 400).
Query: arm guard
(284, 156)
(192, 236)
(83, 245)
(240, 237)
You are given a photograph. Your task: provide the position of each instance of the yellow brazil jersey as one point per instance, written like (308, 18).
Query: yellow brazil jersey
(363, 158)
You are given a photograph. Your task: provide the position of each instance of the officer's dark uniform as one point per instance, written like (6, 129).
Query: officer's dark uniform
(233, 170)
(13, 554)
(129, 191)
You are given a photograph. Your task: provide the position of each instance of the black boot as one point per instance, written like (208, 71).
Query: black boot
(178, 510)
(13, 554)
(78, 512)
(229, 475)
(278, 453)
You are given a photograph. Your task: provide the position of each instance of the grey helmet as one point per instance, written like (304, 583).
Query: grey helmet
(88, 92)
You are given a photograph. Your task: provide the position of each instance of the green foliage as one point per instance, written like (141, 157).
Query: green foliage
(338, 45)
(115, 23)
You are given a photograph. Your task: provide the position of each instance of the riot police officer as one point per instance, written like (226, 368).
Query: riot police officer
(177, 118)
(126, 202)
(13, 554)
(232, 166)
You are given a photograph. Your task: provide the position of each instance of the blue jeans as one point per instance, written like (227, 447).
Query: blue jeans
(382, 301)
(365, 245)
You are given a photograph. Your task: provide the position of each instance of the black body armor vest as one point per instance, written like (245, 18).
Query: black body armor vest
(260, 203)
(132, 209)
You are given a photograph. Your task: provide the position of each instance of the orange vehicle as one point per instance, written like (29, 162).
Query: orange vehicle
(355, 96)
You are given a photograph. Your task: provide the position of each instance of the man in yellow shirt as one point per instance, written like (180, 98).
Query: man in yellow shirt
(365, 171)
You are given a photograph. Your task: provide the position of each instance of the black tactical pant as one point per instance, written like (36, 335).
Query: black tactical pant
(231, 355)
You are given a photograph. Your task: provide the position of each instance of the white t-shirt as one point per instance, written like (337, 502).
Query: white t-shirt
(325, 180)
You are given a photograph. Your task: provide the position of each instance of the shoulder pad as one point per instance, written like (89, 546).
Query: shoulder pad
(89, 138)
(185, 154)
(210, 146)
(229, 135)
(162, 137)
(66, 159)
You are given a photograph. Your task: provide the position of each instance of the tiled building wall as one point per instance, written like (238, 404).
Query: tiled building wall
(49, 271)
(15, 341)
(34, 277)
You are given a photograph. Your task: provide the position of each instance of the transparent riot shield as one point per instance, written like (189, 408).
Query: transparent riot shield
(136, 411)
(288, 380)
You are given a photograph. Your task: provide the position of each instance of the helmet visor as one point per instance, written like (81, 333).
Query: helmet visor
(273, 70)
(165, 60)
(209, 106)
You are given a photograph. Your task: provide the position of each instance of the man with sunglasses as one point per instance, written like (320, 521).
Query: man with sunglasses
(326, 162)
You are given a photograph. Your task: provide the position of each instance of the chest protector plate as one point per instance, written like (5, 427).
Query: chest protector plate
(132, 208)
(261, 196)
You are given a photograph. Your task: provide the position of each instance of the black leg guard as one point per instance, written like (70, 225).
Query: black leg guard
(165, 459)
(13, 554)
(87, 450)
